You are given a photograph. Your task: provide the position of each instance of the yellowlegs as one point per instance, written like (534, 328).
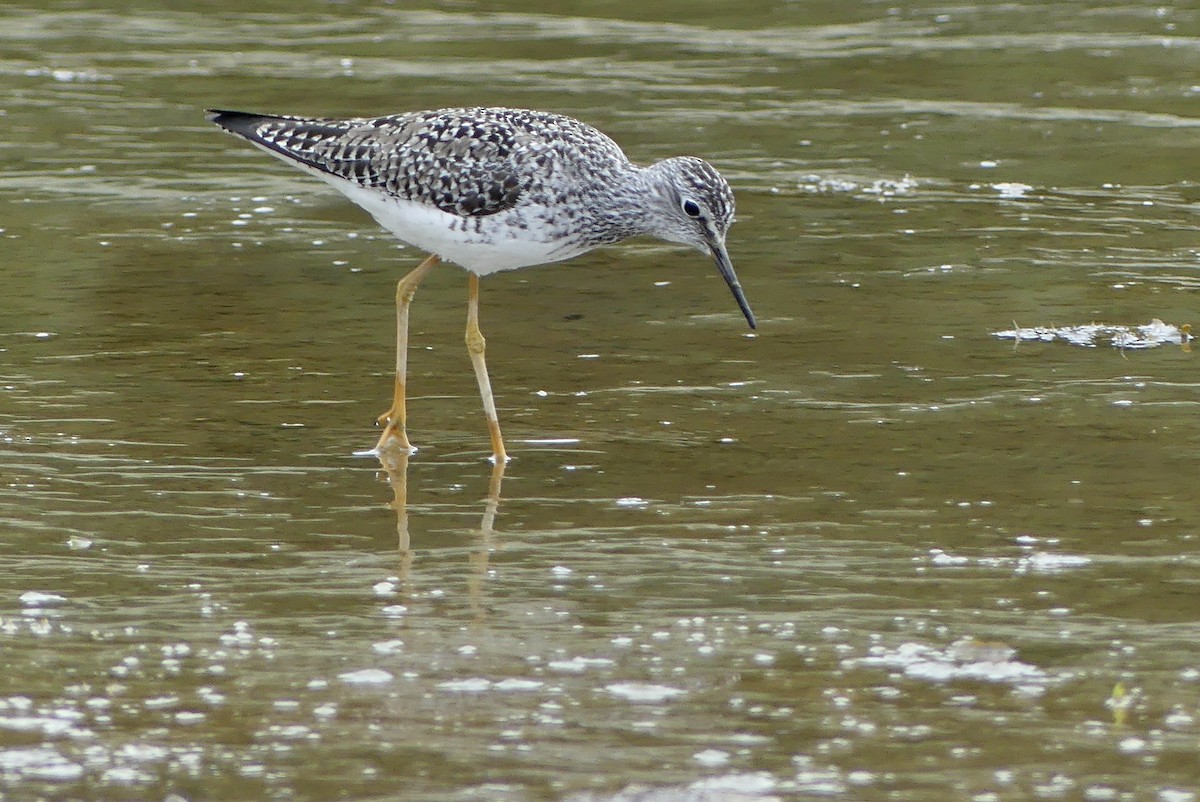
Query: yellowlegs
(495, 189)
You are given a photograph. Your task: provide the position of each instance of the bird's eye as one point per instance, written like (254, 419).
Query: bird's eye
(691, 208)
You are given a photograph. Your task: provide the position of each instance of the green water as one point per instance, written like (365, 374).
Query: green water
(721, 565)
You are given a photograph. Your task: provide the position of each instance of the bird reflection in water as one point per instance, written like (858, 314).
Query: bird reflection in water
(395, 466)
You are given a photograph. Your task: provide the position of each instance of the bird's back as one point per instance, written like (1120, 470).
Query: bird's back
(469, 162)
(487, 188)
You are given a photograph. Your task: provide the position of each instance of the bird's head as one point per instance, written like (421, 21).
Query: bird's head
(695, 207)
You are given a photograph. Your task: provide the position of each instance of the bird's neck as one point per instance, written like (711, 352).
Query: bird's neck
(639, 196)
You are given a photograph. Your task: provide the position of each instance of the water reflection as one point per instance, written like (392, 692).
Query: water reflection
(395, 464)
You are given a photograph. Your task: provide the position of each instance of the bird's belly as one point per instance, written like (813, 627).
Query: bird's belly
(482, 245)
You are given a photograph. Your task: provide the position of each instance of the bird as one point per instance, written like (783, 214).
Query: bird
(493, 189)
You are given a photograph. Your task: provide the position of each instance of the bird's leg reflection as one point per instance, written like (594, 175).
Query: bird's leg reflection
(487, 532)
(395, 465)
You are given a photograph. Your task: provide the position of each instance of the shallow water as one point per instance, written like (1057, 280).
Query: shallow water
(872, 552)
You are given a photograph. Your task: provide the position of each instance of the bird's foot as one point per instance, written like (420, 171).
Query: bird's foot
(394, 437)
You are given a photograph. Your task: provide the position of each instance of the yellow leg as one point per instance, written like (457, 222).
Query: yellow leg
(395, 419)
(475, 347)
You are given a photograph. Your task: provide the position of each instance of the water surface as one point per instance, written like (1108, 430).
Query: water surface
(870, 552)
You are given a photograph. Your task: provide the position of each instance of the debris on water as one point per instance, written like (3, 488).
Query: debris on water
(966, 659)
(1036, 562)
(467, 685)
(754, 787)
(879, 187)
(887, 187)
(1150, 335)
(578, 665)
(973, 650)
(38, 764)
(643, 692)
(1049, 563)
(711, 757)
(39, 598)
(366, 676)
(1121, 701)
(1012, 189)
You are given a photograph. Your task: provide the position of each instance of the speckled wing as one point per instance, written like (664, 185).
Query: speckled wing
(459, 163)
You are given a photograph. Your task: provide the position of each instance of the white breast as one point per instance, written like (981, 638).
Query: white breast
(482, 245)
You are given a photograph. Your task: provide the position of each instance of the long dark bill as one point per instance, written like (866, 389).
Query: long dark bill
(726, 267)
